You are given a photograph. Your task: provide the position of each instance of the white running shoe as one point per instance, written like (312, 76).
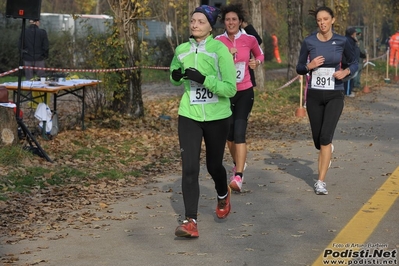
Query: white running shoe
(320, 188)
(332, 151)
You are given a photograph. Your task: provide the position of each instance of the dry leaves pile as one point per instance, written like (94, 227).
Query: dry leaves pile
(139, 150)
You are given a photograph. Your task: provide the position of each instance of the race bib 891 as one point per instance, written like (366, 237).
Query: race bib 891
(322, 78)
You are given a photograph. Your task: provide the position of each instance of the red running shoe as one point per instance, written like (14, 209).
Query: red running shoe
(223, 208)
(187, 229)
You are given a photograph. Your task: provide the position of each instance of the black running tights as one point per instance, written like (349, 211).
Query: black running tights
(191, 134)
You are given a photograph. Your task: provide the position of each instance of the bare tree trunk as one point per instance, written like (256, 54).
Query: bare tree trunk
(98, 7)
(341, 12)
(320, 3)
(192, 4)
(8, 127)
(126, 18)
(254, 11)
(294, 20)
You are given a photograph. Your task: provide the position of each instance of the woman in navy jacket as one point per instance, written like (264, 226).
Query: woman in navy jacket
(325, 92)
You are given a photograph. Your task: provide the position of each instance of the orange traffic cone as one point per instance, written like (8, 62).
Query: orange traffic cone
(300, 112)
(366, 89)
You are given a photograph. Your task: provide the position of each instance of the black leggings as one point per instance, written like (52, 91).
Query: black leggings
(324, 108)
(191, 133)
(241, 106)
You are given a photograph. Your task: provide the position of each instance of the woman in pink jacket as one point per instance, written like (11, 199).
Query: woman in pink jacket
(247, 54)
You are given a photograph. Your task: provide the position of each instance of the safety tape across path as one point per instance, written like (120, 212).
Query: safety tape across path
(289, 83)
(379, 57)
(81, 70)
(8, 72)
(109, 70)
(122, 69)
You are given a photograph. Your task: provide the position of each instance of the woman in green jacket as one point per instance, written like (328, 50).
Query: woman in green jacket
(206, 68)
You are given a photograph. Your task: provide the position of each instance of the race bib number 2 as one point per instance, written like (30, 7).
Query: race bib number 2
(240, 69)
(200, 95)
(322, 78)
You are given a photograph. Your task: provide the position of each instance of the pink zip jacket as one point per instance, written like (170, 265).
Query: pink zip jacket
(246, 45)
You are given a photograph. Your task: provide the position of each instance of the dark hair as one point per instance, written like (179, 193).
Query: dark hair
(236, 8)
(322, 8)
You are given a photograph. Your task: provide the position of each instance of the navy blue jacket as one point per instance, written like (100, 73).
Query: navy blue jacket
(332, 50)
(355, 48)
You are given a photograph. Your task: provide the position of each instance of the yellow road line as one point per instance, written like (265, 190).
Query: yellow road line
(362, 225)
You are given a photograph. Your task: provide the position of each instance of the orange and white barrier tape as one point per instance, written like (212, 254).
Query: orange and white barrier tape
(289, 82)
(379, 57)
(8, 72)
(80, 70)
(92, 70)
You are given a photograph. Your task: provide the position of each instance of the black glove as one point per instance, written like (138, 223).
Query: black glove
(177, 75)
(194, 75)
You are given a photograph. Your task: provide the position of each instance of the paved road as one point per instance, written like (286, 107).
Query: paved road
(277, 220)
